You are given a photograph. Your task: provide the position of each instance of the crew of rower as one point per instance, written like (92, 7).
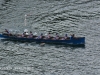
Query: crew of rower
(48, 36)
(26, 34)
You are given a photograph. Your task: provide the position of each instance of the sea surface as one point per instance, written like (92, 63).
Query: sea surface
(81, 17)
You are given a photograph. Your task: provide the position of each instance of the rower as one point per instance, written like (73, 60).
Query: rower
(65, 36)
(35, 35)
(41, 36)
(57, 36)
(31, 34)
(6, 32)
(48, 36)
(72, 36)
(25, 34)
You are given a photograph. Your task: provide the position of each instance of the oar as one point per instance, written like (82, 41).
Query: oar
(42, 44)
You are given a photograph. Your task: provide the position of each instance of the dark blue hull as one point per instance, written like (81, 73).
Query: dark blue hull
(72, 41)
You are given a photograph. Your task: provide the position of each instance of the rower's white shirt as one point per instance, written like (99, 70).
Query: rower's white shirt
(25, 30)
(27, 33)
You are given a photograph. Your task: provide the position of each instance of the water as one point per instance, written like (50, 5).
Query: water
(81, 17)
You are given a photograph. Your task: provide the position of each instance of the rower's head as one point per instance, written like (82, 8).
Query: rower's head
(6, 30)
(66, 35)
(30, 31)
(41, 34)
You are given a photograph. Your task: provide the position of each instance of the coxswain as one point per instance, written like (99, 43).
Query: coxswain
(7, 32)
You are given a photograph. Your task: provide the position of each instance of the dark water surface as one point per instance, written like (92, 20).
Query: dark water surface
(81, 17)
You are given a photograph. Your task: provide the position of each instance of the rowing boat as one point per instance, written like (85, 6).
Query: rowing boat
(70, 41)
